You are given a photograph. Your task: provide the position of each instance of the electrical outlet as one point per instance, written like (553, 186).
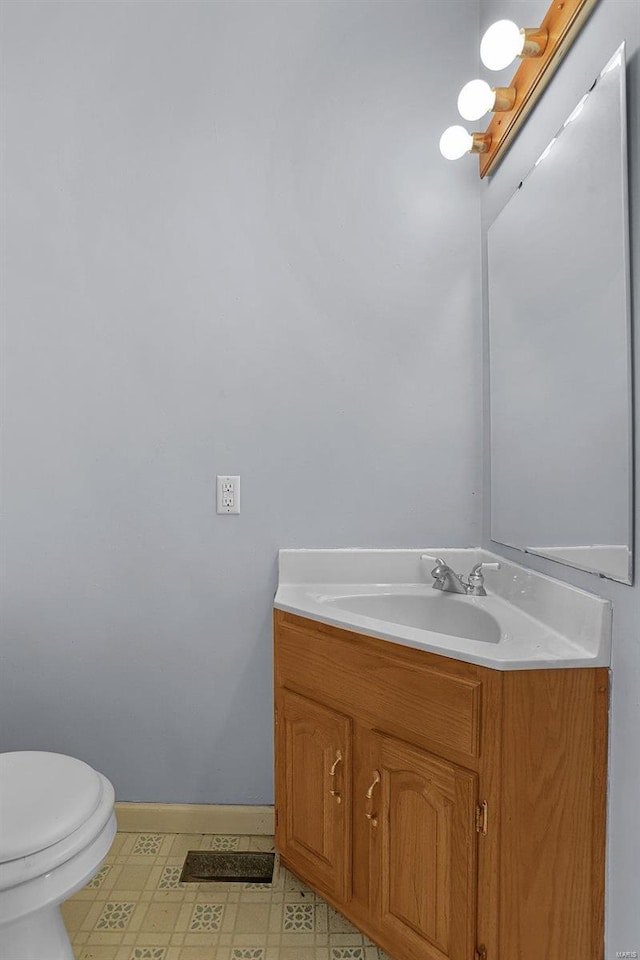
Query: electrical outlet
(228, 494)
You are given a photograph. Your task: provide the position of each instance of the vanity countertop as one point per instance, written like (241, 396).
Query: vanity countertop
(527, 621)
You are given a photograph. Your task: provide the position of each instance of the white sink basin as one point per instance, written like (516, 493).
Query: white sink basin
(445, 613)
(527, 621)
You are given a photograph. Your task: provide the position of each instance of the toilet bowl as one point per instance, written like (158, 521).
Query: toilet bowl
(57, 823)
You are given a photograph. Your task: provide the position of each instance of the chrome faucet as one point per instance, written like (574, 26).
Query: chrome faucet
(445, 579)
(449, 582)
(475, 580)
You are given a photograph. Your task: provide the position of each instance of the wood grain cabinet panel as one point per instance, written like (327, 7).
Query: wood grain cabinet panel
(314, 791)
(416, 695)
(424, 852)
(477, 827)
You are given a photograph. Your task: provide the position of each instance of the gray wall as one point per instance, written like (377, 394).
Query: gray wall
(611, 22)
(231, 246)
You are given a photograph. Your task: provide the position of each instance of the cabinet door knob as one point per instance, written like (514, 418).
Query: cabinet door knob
(370, 815)
(332, 773)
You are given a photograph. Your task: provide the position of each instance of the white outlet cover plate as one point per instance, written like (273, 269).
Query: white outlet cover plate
(227, 494)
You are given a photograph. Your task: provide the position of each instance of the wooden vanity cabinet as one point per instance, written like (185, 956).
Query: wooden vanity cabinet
(450, 811)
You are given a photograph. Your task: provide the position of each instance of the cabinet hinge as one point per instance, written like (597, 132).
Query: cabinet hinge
(275, 713)
(276, 816)
(481, 953)
(481, 818)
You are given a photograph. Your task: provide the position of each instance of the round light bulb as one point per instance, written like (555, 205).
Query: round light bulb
(501, 44)
(455, 142)
(475, 99)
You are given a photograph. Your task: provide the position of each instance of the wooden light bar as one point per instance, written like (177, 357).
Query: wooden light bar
(563, 21)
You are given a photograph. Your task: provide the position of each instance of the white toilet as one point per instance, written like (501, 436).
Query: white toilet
(57, 823)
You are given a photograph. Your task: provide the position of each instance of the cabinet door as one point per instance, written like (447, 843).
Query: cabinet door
(313, 784)
(421, 814)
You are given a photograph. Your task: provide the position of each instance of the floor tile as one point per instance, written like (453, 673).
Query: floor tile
(198, 953)
(97, 953)
(74, 913)
(170, 879)
(297, 953)
(134, 876)
(137, 909)
(115, 916)
(221, 842)
(183, 842)
(252, 918)
(99, 878)
(207, 916)
(147, 844)
(160, 918)
(148, 953)
(298, 917)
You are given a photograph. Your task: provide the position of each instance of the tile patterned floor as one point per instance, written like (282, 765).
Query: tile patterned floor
(136, 909)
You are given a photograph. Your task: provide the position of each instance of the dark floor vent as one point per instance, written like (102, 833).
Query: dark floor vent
(201, 866)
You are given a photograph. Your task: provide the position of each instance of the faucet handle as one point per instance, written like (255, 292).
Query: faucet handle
(439, 571)
(475, 583)
(477, 569)
(439, 562)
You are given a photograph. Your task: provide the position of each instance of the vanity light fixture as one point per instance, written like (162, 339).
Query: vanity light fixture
(456, 141)
(540, 50)
(477, 98)
(504, 41)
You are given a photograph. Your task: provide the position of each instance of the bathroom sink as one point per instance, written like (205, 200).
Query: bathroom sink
(526, 621)
(454, 616)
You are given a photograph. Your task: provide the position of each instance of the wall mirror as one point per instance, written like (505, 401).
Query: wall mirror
(560, 345)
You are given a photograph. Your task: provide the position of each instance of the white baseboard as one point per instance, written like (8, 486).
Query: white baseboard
(194, 818)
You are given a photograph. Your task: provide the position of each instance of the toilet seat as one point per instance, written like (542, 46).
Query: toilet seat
(57, 824)
(51, 806)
